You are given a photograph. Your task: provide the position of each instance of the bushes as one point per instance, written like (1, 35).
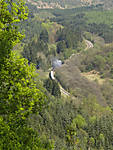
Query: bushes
(61, 46)
(76, 126)
(52, 87)
(100, 60)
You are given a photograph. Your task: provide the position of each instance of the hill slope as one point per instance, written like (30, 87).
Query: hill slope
(70, 3)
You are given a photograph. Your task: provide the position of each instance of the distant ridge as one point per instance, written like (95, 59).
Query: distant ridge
(62, 4)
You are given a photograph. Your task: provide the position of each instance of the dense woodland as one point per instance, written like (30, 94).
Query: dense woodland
(34, 112)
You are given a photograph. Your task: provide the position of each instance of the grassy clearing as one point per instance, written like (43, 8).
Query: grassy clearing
(93, 76)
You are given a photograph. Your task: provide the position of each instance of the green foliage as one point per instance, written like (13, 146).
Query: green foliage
(53, 120)
(47, 25)
(86, 125)
(79, 121)
(59, 121)
(49, 85)
(76, 136)
(11, 13)
(52, 87)
(17, 87)
(21, 138)
(98, 29)
(68, 37)
(87, 19)
(100, 60)
(44, 36)
(61, 46)
(92, 134)
(36, 52)
(32, 28)
(19, 96)
(100, 17)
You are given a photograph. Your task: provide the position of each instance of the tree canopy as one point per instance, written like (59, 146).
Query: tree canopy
(12, 12)
(19, 96)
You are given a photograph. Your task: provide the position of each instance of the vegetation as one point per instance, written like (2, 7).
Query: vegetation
(65, 30)
(104, 17)
(102, 61)
(8, 30)
(19, 96)
(88, 125)
(52, 87)
(33, 113)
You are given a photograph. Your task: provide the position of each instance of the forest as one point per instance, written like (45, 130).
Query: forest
(74, 111)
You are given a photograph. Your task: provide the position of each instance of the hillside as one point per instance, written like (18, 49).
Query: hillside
(63, 4)
(81, 40)
(56, 75)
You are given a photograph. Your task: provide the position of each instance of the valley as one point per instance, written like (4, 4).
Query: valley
(76, 37)
(56, 75)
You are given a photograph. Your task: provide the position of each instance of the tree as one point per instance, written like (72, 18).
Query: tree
(48, 85)
(18, 92)
(21, 138)
(33, 50)
(56, 89)
(11, 13)
(19, 96)
(44, 36)
(61, 46)
(80, 121)
(76, 136)
(52, 87)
